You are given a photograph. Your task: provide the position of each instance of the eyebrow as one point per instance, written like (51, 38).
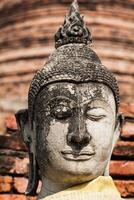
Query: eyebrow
(107, 106)
(56, 93)
(60, 98)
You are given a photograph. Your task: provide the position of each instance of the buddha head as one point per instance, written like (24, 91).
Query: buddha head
(72, 120)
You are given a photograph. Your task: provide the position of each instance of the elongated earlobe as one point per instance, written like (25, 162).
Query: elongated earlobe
(33, 176)
(22, 119)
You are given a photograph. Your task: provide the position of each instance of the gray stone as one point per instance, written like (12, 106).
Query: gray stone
(72, 120)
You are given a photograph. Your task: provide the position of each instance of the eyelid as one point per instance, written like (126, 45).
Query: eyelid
(96, 118)
(92, 112)
(95, 108)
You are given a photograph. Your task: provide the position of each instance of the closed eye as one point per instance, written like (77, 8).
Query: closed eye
(96, 117)
(95, 114)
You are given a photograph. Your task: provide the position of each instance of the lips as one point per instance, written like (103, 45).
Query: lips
(77, 155)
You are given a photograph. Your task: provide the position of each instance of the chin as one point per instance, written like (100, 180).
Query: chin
(75, 179)
(85, 172)
(79, 173)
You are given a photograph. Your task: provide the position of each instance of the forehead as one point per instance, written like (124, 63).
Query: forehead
(81, 92)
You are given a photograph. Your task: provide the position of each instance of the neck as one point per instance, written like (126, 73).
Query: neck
(49, 187)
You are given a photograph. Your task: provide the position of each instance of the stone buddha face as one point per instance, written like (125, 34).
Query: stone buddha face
(71, 123)
(75, 131)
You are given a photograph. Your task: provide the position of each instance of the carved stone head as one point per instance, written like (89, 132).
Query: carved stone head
(72, 120)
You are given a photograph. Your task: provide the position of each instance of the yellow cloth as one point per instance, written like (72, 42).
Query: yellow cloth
(102, 188)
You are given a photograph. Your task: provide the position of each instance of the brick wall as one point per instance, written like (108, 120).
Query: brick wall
(26, 39)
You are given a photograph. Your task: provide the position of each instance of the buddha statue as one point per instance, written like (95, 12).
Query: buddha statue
(72, 121)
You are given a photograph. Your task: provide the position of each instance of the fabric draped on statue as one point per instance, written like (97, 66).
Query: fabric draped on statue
(102, 188)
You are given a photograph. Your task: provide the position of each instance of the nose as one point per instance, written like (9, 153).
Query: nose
(78, 135)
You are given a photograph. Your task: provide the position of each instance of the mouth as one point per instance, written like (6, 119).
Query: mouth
(77, 155)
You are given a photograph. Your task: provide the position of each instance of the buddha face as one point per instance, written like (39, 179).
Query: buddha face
(74, 127)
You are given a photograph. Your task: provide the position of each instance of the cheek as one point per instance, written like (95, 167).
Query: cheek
(51, 143)
(101, 132)
(57, 134)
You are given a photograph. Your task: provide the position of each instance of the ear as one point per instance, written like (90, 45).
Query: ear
(118, 126)
(23, 123)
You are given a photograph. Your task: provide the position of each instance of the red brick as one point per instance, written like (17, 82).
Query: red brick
(11, 164)
(5, 183)
(18, 68)
(6, 118)
(125, 187)
(124, 149)
(15, 197)
(20, 166)
(20, 184)
(11, 122)
(13, 141)
(2, 124)
(22, 54)
(123, 65)
(18, 96)
(127, 109)
(122, 168)
(128, 130)
(126, 83)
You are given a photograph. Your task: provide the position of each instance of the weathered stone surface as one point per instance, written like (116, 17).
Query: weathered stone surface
(26, 34)
(17, 165)
(23, 53)
(18, 96)
(15, 142)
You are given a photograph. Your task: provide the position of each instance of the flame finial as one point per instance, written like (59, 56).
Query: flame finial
(74, 7)
(73, 30)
